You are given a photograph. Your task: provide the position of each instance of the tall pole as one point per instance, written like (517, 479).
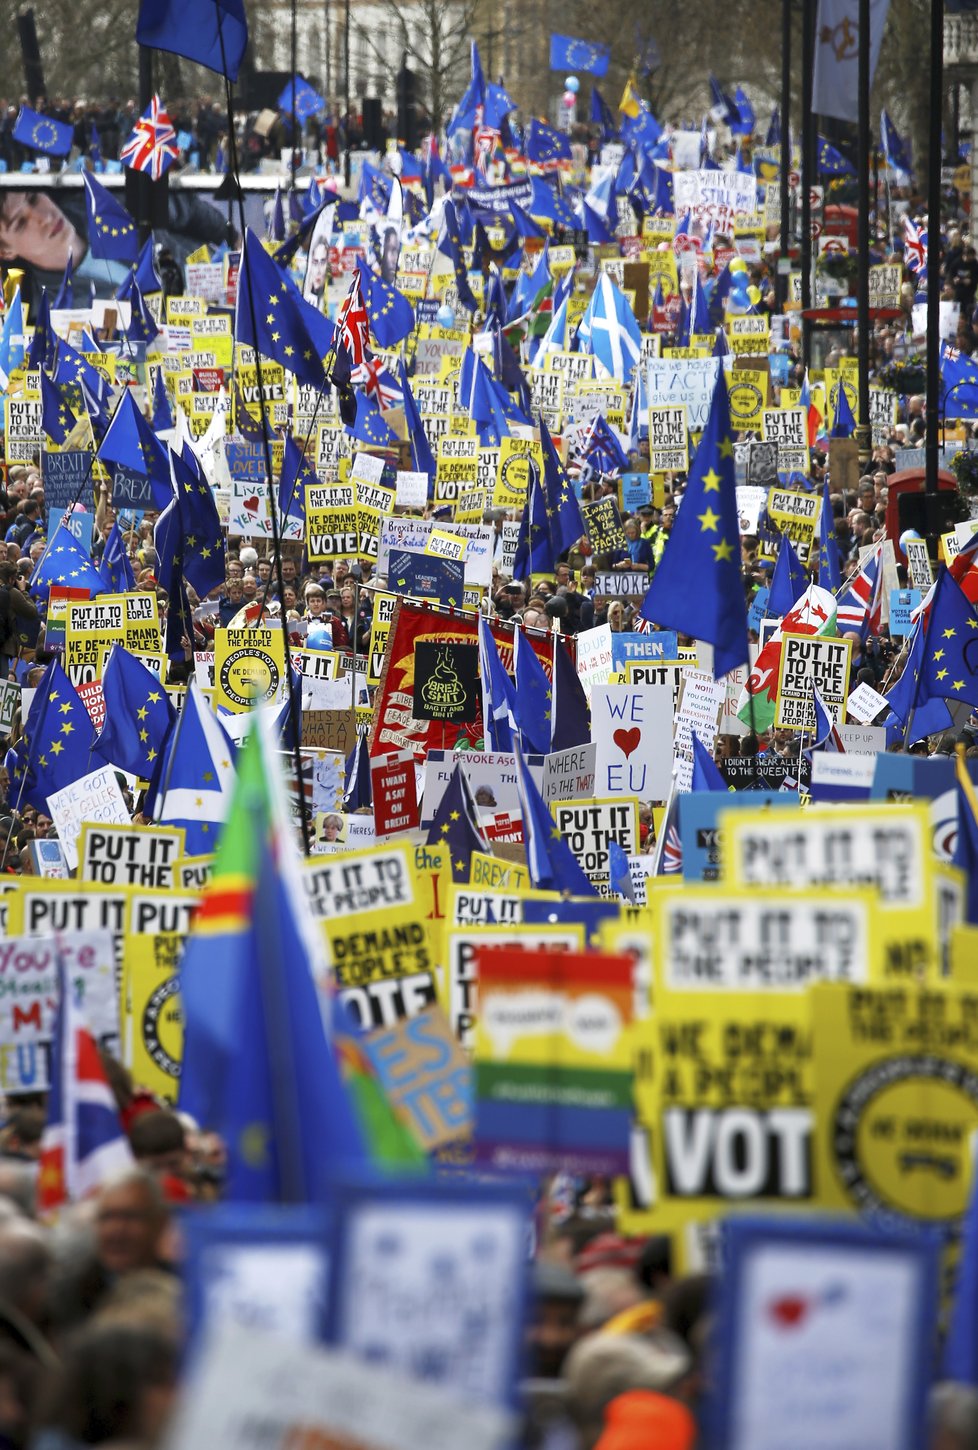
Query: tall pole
(346, 88)
(863, 432)
(293, 62)
(784, 265)
(807, 170)
(933, 405)
(329, 59)
(143, 182)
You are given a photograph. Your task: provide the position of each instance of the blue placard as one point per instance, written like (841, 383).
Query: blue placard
(426, 576)
(823, 1326)
(698, 813)
(80, 526)
(245, 459)
(903, 602)
(629, 646)
(453, 1257)
(758, 608)
(262, 1266)
(129, 519)
(131, 489)
(64, 474)
(582, 911)
(636, 490)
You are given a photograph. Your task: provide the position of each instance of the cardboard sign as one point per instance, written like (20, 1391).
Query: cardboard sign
(630, 725)
(569, 774)
(373, 880)
(602, 522)
(903, 604)
(29, 1000)
(131, 620)
(153, 1019)
(595, 659)
(63, 474)
(621, 584)
(668, 439)
(425, 1075)
(425, 576)
(143, 856)
(383, 965)
(808, 660)
(797, 515)
(588, 825)
(95, 798)
(700, 702)
(249, 666)
(865, 703)
(446, 682)
(918, 563)
(788, 428)
(395, 795)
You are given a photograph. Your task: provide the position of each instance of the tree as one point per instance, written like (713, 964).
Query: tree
(434, 37)
(86, 49)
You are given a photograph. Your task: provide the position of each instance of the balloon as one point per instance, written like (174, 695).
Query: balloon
(908, 534)
(568, 100)
(445, 317)
(754, 293)
(318, 636)
(740, 285)
(572, 84)
(737, 265)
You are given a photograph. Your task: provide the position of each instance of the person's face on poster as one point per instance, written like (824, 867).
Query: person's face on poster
(34, 230)
(390, 251)
(318, 270)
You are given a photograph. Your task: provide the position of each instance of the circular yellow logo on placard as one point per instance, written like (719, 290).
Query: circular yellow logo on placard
(249, 676)
(900, 1138)
(746, 400)
(163, 1027)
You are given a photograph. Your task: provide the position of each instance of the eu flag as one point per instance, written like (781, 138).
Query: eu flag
(544, 145)
(950, 663)
(297, 472)
(115, 570)
(214, 33)
(203, 536)
(830, 162)
(111, 230)
(697, 587)
(391, 314)
(563, 509)
(305, 103)
(196, 775)
(789, 580)
(450, 245)
(369, 426)
(569, 54)
(57, 419)
(138, 715)
(271, 315)
(43, 133)
(59, 732)
(456, 825)
(422, 458)
(829, 574)
(64, 561)
(534, 696)
(131, 443)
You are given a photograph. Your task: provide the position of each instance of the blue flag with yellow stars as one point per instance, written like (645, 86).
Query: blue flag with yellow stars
(64, 561)
(115, 568)
(71, 370)
(456, 825)
(202, 538)
(391, 314)
(111, 230)
(544, 144)
(697, 587)
(829, 573)
(297, 471)
(271, 315)
(369, 426)
(563, 509)
(959, 384)
(143, 275)
(138, 715)
(57, 419)
(59, 732)
(533, 707)
(422, 458)
(950, 663)
(375, 187)
(142, 324)
(162, 412)
(131, 443)
(830, 162)
(214, 33)
(450, 245)
(534, 546)
(43, 133)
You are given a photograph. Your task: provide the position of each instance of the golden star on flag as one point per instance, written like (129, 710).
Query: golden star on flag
(711, 482)
(723, 550)
(708, 520)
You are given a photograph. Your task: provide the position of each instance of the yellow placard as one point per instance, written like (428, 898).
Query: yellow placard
(249, 666)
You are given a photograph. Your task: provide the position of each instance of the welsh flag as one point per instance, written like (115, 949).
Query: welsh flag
(814, 613)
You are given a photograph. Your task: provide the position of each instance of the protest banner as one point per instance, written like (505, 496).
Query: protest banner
(688, 382)
(788, 428)
(446, 682)
(796, 515)
(594, 657)
(425, 1076)
(144, 856)
(249, 666)
(714, 199)
(394, 788)
(807, 661)
(629, 725)
(918, 563)
(553, 1061)
(67, 476)
(95, 798)
(701, 699)
(462, 946)
(29, 996)
(569, 774)
(602, 522)
(131, 620)
(668, 439)
(589, 825)
(748, 392)
(152, 1017)
(621, 584)
(425, 576)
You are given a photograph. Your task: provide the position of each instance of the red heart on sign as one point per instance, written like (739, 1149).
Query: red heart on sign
(789, 1311)
(251, 504)
(627, 740)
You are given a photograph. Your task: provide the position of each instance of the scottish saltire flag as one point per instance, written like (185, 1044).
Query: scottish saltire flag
(64, 561)
(827, 736)
(196, 775)
(114, 566)
(609, 331)
(455, 824)
(258, 1064)
(138, 715)
(12, 348)
(835, 84)
(551, 862)
(214, 33)
(152, 147)
(895, 148)
(43, 133)
(697, 586)
(858, 606)
(308, 102)
(83, 1144)
(498, 694)
(567, 53)
(111, 230)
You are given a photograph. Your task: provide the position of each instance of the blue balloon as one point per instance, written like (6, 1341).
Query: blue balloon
(445, 316)
(572, 84)
(319, 636)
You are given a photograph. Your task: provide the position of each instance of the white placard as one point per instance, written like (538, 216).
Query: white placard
(95, 797)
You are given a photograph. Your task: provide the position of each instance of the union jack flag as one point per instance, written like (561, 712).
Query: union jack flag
(859, 606)
(353, 327)
(914, 248)
(152, 147)
(380, 384)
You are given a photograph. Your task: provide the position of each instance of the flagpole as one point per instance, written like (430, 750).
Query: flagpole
(863, 433)
(660, 840)
(295, 707)
(934, 158)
